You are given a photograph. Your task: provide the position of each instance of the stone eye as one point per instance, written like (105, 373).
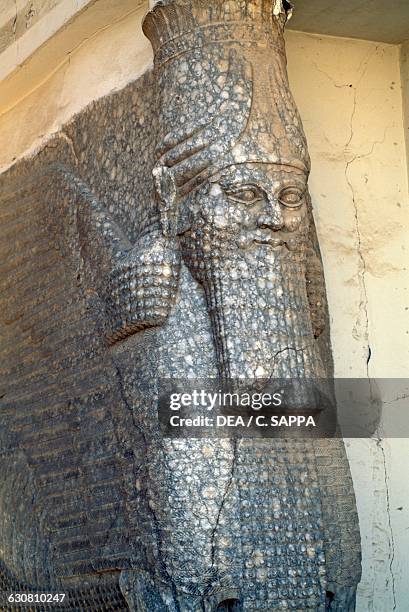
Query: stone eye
(291, 197)
(246, 195)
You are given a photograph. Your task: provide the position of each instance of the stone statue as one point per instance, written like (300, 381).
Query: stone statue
(217, 275)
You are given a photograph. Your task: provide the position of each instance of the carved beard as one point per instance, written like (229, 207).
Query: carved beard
(258, 303)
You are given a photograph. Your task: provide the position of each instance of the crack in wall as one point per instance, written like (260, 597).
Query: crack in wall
(362, 67)
(391, 539)
(364, 308)
(14, 24)
(362, 269)
(351, 121)
(331, 78)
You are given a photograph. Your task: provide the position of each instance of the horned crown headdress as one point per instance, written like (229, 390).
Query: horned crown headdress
(174, 26)
(225, 97)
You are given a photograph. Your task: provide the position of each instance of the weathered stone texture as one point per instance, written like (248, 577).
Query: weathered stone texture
(112, 280)
(62, 415)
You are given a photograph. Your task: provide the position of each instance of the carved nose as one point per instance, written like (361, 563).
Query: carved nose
(272, 216)
(272, 220)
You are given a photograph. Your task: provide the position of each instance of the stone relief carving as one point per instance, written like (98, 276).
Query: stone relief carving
(197, 259)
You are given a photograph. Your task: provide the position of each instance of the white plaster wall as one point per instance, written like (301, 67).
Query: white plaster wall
(96, 63)
(349, 95)
(404, 65)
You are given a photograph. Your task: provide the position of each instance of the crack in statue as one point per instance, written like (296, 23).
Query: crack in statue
(234, 207)
(225, 282)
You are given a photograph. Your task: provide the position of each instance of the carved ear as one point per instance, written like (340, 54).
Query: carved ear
(166, 189)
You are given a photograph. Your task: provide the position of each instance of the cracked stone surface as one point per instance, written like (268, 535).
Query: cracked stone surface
(168, 221)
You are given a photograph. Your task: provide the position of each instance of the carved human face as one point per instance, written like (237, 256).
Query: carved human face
(246, 205)
(243, 236)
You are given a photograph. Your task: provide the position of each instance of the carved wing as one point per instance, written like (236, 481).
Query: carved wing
(62, 416)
